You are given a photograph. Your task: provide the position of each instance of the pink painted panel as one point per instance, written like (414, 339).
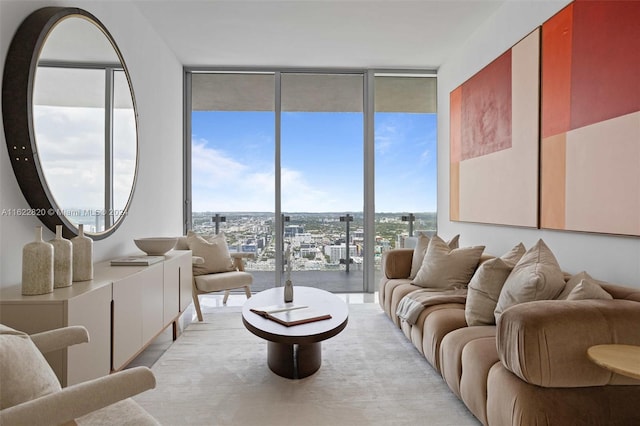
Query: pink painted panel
(486, 109)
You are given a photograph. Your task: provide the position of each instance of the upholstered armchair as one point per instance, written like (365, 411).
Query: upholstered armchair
(214, 268)
(30, 393)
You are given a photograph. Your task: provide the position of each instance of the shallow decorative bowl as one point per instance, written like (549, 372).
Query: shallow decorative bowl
(155, 246)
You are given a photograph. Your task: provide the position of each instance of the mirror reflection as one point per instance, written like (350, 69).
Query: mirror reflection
(85, 125)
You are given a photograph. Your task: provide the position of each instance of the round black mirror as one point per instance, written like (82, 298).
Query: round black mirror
(70, 121)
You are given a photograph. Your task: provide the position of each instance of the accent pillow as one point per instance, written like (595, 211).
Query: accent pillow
(588, 289)
(447, 268)
(572, 283)
(485, 285)
(213, 250)
(537, 276)
(24, 372)
(421, 248)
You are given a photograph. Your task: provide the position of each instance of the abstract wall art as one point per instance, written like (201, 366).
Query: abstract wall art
(590, 118)
(494, 140)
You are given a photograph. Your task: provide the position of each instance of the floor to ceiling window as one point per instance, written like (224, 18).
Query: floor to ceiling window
(277, 160)
(405, 159)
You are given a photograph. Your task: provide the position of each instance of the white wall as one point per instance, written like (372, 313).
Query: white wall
(611, 258)
(156, 74)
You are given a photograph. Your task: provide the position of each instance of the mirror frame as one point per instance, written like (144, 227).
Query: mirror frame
(17, 109)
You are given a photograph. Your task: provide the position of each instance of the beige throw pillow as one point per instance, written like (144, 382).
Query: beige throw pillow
(24, 372)
(446, 268)
(537, 276)
(485, 285)
(421, 248)
(572, 283)
(588, 289)
(213, 250)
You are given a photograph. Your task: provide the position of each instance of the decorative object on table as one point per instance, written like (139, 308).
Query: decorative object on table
(155, 246)
(136, 260)
(37, 266)
(290, 314)
(288, 285)
(62, 260)
(82, 256)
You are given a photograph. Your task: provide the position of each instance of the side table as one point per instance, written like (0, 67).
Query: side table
(621, 359)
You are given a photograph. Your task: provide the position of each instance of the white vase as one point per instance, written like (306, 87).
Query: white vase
(62, 260)
(37, 266)
(82, 256)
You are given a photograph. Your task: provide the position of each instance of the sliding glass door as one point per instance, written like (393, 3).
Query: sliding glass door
(322, 139)
(232, 168)
(405, 160)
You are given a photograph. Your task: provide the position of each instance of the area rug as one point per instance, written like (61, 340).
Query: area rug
(216, 374)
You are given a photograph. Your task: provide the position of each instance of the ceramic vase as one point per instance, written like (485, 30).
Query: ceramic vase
(37, 266)
(62, 260)
(288, 291)
(82, 256)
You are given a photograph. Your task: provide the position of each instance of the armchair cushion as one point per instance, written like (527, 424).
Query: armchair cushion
(213, 250)
(24, 372)
(218, 282)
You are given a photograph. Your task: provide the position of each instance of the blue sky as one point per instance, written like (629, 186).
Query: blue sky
(233, 156)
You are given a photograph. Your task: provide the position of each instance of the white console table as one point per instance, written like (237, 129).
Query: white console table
(124, 308)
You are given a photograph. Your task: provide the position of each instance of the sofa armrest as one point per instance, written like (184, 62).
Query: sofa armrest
(545, 342)
(396, 263)
(77, 400)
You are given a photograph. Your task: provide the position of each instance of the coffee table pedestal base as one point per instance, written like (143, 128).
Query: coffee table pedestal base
(294, 361)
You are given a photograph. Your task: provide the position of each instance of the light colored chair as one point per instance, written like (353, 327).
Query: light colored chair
(30, 393)
(218, 281)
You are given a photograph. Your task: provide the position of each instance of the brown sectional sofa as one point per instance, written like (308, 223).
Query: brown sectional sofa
(532, 367)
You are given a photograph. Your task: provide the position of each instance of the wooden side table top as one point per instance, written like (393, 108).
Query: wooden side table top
(621, 359)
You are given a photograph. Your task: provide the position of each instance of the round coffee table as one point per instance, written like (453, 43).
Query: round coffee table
(295, 352)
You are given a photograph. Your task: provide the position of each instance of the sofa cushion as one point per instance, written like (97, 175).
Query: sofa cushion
(451, 350)
(444, 267)
(545, 342)
(537, 276)
(486, 284)
(213, 250)
(478, 356)
(588, 289)
(510, 401)
(571, 283)
(437, 325)
(421, 248)
(24, 372)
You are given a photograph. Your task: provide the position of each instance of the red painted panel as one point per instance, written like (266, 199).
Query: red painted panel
(486, 109)
(606, 61)
(557, 35)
